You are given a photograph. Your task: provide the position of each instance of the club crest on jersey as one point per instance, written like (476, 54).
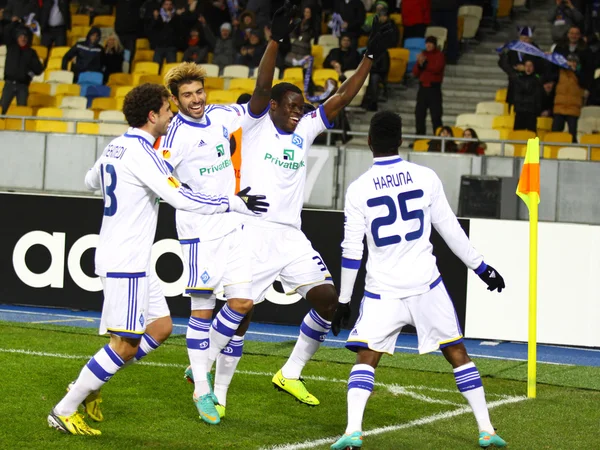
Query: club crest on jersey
(220, 150)
(205, 277)
(297, 140)
(173, 182)
(141, 319)
(225, 132)
(166, 154)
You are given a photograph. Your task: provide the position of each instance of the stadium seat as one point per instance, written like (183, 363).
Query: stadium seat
(593, 139)
(236, 71)
(222, 97)
(472, 17)
(214, 83)
(121, 91)
(501, 95)
(59, 52)
(551, 151)
(167, 67)
(17, 124)
(94, 78)
(41, 51)
(578, 153)
(59, 76)
(590, 111)
(120, 103)
(67, 89)
(40, 88)
(88, 128)
(146, 68)
(41, 100)
(78, 20)
(54, 64)
(520, 135)
(504, 122)
(85, 114)
(111, 116)
(325, 74)
(441, 33)
(317, 54)
(143, 55)
(415, 46)
(493, 108)
(142, 44)
(474, 120)
(80, 30)
(242, 84)
(504, 8)
(104, 22)
(398, 64)
(275, 75)
(212, 70)
(293, 73)
(421, 145)
(50, 126)
(92, 91)
(73, 102)
(587, 125)
(112, 129)
(329, 40)
(349, 73)
(156, 79)
(544, 124)
(179, 57)
(103, 104)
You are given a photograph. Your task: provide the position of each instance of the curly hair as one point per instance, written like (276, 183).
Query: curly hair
(184, 73)
(385, 132)
(141, 100)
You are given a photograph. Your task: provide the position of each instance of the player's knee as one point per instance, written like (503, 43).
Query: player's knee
(240, 305)
(325, 300)
(126, 348)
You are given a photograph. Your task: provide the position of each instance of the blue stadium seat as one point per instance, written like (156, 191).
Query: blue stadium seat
(94, 78)
(93, 91)
(415, 46)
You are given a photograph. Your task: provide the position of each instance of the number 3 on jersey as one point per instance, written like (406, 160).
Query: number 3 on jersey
(390, 219)
(108, 190)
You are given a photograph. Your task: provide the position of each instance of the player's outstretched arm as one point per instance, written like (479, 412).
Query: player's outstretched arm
(281, 26)
(376, 46)
(92, 178)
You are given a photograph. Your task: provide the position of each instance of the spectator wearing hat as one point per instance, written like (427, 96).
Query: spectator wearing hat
(22, 63)
(223, 47)
(429, 69)
(569, 97)
(88, 55)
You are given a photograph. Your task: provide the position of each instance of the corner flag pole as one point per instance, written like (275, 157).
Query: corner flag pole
(529, 191)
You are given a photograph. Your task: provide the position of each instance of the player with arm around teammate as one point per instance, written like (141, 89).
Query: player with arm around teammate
(394, 204)
(133, 179)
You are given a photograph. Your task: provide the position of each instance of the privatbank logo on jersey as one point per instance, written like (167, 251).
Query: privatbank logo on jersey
(215, 167)
(220, 150)
(287, 162)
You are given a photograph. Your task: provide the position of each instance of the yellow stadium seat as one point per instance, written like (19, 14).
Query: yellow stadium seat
(156, 79)
(80, 20)
(103, 103)
(242, 84)
(398, 64)
(59, 76)
(142, 44)
(58, 52)
(592, 139)
(41, 51)
(578, 153)
(80, 30)
(2, 124)
(551, 151)
(501, 95)
(87, 128)
(174, 106)
(40, 88)
(520, 135)
(236, 71)
(146, 68)
(41, 100)
(17, 124)
(214, 83)
(503, 122)
(222, 97)
(324, 74)
(544, 123)
(68, 89)
(50, 126)
(421, 145)
(54, 64)
(104, 22)
(396, 18)
(120, 79)
(119, 104)
(456, 131)
(120, 91)
(179, 57)
(167, 67)
(143, 55)
(362, 41)
(317, 53)
(293, 73)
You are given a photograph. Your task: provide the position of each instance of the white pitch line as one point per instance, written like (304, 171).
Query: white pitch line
(402, 426)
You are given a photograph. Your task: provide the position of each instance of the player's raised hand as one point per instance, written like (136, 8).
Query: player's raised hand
(254, 203)
(283, 22)
(492, 278)
(378, 39)
(341, 318)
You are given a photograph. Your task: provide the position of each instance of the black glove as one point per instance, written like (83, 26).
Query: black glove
(492, 278)
(282, 24)
(340, 318)
(378, 39)
(255, 203)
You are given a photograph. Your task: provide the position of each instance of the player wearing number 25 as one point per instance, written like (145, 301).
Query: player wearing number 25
(135, 313)
(394, 204)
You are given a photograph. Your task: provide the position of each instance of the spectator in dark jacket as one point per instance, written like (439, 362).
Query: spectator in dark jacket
(528, 94)
(435, 145)
(89, 55)
(562, 18)
(55, 20)
(165, 33)
(377, 76)
(19, 10)
(113, 56)
(198, 48)
(444, 13)
(472, 148)
(353, 15)
(22, 62)
(262, 10)
(223, 47)
(252, 53)
(128, 25)
(429, 69)
(547, 104)
(416, 15)
(216, 14)
(342, 58)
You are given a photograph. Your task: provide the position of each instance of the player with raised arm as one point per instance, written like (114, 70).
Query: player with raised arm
(276, 139)
(394, 204)
(133, 179)
(215, 249)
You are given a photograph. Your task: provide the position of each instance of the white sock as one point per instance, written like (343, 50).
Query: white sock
(222, 330)
(147, 345)
(197, 344)
(312, 332)
(227, 361)
(469, 384)
(360, 386)
(94, 374)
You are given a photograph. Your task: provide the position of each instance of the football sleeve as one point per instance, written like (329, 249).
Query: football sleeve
(314, 123)
(446, 224)
(352, 245)
(92, 178)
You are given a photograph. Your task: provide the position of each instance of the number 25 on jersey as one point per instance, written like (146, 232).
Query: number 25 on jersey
(392, 216)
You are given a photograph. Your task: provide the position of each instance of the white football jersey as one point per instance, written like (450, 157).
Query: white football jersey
(133, 179)
(198, 151)
(274, 162)
(394, 204)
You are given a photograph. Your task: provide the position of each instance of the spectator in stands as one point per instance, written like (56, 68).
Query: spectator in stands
(113, 56)
(435, 145)
(251, 54)
(223, 47)
(190, 14)
(89, 55)
(262, 11)
(562, 17)
(393, 37)
(93, 8)
(569, 97)
(573, 43)
(301, 40)
(353, 15)
(444, 13)
(527, 94)
(416, 15)
(316, 15)
(55, 20)
(216, 14)
(429, 69)
(19, 10)
(165, 33)
(548, 95)
(377, 78)
(472, 148)
(128, 25)
(378, 6)
(198, 48)
(342, 58)
(22, 62)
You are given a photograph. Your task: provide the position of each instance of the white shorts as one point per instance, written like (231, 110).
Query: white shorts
(131, 302)
(220, 263)
(287, 253)
(381, 320)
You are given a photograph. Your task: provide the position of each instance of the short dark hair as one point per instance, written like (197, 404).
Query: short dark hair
(431, 39)
(141, 100)
(385, 132)
(243, 98)
(279, 90)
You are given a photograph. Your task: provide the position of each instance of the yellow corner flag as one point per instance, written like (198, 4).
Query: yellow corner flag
(529, 191)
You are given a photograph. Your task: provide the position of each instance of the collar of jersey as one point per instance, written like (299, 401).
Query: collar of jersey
(385, 160)
(137, 133)
(280, 131)
(192, 122)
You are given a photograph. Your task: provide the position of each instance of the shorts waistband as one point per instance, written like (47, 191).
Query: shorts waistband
(369, 294)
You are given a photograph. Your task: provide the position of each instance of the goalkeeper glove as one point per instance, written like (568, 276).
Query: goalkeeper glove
(341, 318)
(491, 277)
(378, 39)
(248, 204)
(282, 24)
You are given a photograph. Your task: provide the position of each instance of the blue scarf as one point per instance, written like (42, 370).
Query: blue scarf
(308, 75)
(523, 47)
